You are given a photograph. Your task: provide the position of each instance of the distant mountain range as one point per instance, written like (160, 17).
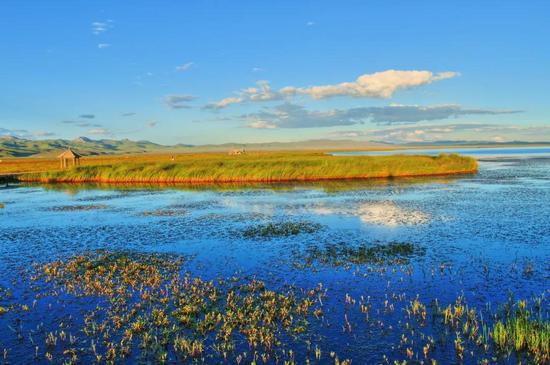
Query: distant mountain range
(18, 147)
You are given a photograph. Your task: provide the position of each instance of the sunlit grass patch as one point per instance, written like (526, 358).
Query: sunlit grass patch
(343, 254)
(282, 229)
(259, 167)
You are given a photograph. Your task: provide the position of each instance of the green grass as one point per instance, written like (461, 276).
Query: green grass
(262, 167)
(523, 332)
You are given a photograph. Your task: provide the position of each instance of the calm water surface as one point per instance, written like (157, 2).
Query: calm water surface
(486, 237)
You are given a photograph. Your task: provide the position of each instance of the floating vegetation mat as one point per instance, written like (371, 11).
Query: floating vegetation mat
(142, 307)
(345, 255)
(163, 213)
(78, 208)
(283, 229)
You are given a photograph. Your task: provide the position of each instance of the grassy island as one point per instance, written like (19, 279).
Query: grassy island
(256, 167)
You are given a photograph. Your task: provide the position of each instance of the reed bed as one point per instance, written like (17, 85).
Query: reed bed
(261, 167)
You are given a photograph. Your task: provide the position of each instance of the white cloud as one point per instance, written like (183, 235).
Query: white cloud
(295, 116)
(453, 132)
(101, 27)
(261, 124)
(185, 67)
(103, 45)
(100, 131)
(377, 85)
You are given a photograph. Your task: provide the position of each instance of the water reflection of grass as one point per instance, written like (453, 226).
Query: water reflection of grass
(329, 186)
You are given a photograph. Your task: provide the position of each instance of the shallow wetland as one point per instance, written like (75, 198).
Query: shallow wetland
(412, 271)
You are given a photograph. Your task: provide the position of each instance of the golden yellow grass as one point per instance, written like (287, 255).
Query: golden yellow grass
(251, 167)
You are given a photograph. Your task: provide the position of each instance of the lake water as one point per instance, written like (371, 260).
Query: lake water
(482, 238)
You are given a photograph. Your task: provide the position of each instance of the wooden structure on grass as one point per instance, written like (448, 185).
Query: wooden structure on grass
(234, 152)
(69, 157)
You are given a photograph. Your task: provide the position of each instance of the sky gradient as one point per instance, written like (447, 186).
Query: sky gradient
(202, 72)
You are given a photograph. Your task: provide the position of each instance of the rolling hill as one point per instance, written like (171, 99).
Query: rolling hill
(18, 147)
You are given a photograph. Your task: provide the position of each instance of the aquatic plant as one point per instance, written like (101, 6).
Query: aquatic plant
(78, 208)
(521, 331)
(282, 229)
(343, 254)
(153, 308)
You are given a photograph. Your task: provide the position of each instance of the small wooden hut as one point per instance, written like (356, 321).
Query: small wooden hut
(69, 157)
(240, 151)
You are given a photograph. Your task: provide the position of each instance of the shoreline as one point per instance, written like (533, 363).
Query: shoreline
(208, 181)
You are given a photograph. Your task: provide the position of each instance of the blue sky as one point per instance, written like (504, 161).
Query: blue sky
(254, 71)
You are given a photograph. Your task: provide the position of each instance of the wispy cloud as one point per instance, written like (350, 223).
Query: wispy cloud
(185, 67)
(24, 134)
(178, 101)
(101, 27)
(446, 132)
(152, 124)
(128, 114)
(87, 116)
(81, 124)
(310, 23)
(103, 45)
(295, 116)
(376, 85)
(100, 132)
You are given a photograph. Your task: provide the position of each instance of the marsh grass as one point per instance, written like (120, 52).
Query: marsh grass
(523, 331)
(342, 254)
(261, 167)
(157, 313)
(283, 229)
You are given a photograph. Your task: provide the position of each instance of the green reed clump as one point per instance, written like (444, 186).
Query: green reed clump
(343, 254)
(517, 330)
(283, 229)
(520, 331)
